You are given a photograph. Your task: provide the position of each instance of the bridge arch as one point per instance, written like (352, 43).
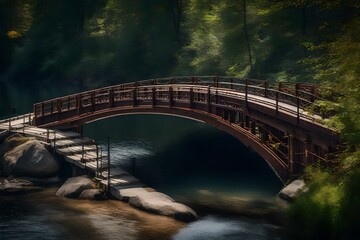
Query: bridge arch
(273, 122)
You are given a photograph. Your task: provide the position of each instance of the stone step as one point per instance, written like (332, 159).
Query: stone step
(77, 149)
(123, 181)
(114, 172)
(73, 142)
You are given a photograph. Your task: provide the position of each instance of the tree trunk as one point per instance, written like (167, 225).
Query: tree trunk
(247, 40)
(176, 15)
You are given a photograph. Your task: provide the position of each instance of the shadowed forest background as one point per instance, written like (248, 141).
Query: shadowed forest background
(92, 43)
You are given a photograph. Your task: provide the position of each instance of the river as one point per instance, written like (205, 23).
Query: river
(231, 188)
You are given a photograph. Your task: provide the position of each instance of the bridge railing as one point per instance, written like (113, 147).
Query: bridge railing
(297, 95)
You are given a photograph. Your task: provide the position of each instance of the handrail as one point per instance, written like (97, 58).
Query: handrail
(304, 94)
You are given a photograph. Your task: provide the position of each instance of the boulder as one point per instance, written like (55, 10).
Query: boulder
(126, 193)
(29, 159)
(73, 187)
(16, 186)
(162, 204)
(92, 194)
(12, 187)
(293, 190)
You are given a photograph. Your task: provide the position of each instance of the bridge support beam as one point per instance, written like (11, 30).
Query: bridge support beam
(308, 148)
(291, 155)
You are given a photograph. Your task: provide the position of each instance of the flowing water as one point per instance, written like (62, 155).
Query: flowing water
(230, 187)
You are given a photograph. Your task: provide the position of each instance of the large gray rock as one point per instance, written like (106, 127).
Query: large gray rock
(293, 190)
(29, 159)
(162, 204)
(73, 187)
(16, 186)
(124, 194)
(92, 194)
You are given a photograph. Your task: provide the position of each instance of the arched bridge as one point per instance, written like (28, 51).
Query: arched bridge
(269, 118)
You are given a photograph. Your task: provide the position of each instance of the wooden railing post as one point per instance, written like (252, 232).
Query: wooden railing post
(209, 99)
(231, 81)
(79, 103)
(246, 92)
(134, 97)
(34, 123)
(266, 86)
(170, 96)
(191, 97)
(312, 93)
(111, 98)
(93, 101)
(153, 96)
(42, 109)
(298, 109)
(277, 102)
(297, 87)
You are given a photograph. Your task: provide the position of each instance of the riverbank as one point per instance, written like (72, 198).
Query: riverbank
(43, 215)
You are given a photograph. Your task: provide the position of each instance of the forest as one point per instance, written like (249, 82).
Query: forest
(93, 43)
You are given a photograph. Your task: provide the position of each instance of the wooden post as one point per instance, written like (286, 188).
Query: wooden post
(298, 109)
(42, 109)
(134, 97)
(266, 86)
(101, 161)
(108, 165)
(153, 97)
(170, 96)
(312, 93)
(216, 97)
(291, 153)
(111, 98)
(277, 103)
(231, 81)
(93, 101)
(308, 149)
(253, 127)
(191, 97)
(246, 93)
(209, 99)
(79, 104)
(297, 87)
(82, 152)
(34, 123)
(54, 140)
(97, 160)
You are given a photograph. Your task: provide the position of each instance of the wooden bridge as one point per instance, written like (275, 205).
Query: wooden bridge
(272, 119)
